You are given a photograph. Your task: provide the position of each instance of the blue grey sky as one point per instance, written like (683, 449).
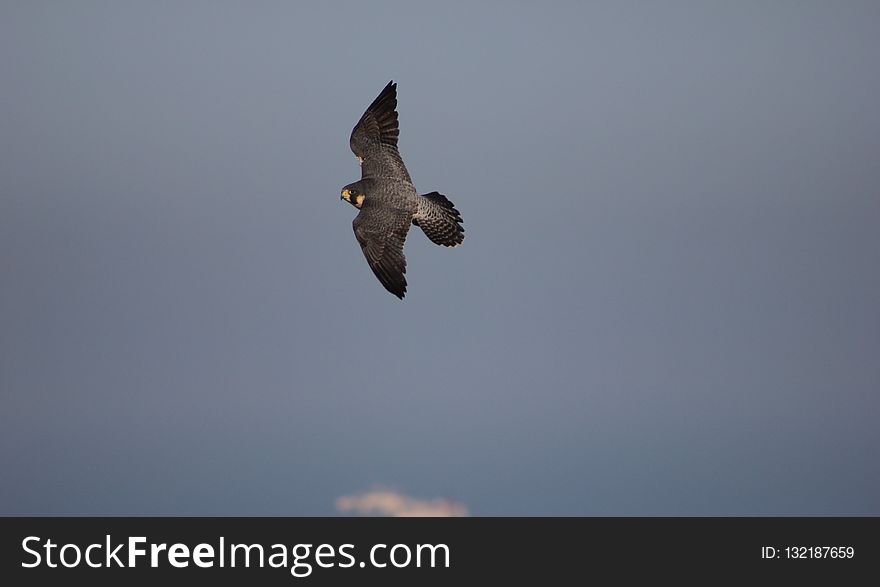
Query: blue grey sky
(668, 301)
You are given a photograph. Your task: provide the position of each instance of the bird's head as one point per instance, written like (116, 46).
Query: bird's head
(353, 195)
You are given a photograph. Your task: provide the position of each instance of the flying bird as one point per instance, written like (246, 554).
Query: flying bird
(388, 200)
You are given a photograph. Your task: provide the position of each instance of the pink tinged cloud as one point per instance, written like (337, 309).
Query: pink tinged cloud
(391, 503)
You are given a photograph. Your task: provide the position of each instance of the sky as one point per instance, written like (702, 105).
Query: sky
(667, 303)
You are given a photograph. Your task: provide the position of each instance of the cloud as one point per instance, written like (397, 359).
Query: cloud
(383, 502)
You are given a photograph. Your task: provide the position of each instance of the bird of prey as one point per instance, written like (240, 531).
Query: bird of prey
(388, 200)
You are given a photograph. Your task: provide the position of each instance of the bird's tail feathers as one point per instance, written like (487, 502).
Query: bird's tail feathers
(439, 220)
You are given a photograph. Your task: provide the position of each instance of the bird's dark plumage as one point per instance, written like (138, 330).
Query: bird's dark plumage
(440, 221)
(374, 138)
(388, 201)
(381, 235)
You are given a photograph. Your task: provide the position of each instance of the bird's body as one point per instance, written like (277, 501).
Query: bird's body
(388, 200)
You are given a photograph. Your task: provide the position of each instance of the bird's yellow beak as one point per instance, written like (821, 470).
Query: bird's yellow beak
(346, 195)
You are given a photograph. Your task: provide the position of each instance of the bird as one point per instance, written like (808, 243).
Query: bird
(387, 199)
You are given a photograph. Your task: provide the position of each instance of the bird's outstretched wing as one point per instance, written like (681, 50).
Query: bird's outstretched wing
(381, 233)
(374, 138)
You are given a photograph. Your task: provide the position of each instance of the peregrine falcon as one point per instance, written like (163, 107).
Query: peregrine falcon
(388, 200)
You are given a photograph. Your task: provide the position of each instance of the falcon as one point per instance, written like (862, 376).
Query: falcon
(388, 200)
